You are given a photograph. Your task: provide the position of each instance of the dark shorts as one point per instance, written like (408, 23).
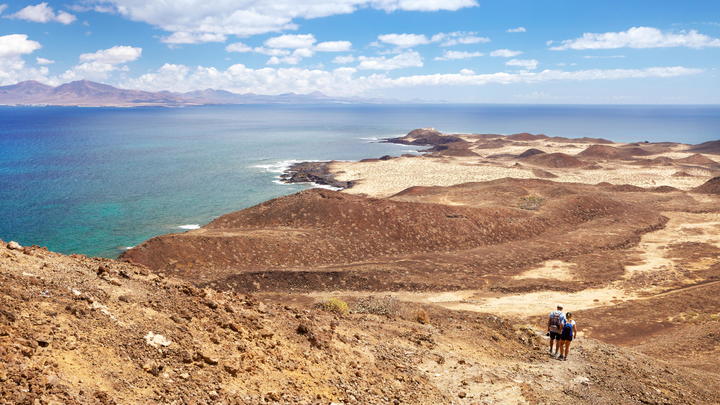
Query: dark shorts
(567, 336)
(554, 336)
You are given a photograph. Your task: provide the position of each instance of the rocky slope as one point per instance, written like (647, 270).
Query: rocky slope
(78, 330)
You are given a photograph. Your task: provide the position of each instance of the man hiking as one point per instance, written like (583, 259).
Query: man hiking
(556, 321)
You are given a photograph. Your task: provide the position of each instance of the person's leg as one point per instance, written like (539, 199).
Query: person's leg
(562, 348)
(551, 342)
(567, 348)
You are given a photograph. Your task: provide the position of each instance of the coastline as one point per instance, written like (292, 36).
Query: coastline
(453, 159)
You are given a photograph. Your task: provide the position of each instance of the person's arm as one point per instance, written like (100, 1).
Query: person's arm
(574, 330)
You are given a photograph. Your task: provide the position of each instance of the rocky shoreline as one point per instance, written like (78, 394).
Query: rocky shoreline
(319, 172)
(313, 172)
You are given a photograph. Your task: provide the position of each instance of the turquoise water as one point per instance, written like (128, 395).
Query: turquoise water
(96, 180)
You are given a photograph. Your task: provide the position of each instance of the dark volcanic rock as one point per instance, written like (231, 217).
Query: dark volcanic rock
(313, 172)
(425, 137)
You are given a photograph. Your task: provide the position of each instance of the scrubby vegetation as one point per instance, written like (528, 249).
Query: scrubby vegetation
(336, 306)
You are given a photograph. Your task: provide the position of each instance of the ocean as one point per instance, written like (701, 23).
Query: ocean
(98, 180)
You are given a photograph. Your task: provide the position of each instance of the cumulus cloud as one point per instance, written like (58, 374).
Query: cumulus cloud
(238, 47)
(404, 40)
(343, 60)
(3, 7)
(183, 37)
(42, 13)
(15, 45)
(529, 64)
(98, 65)
(334, 46)
(199, 20)
(400, 61)
(458, 38)
(517, 29)
(291, 49)
(291, 41)
(12, 65)
(505, 53)
(444, 38)
(639, 37)
(345, 81)
(292, 58)
(450, 55)
(43, 61)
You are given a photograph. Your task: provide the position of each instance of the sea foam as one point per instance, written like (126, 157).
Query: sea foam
(190, 226)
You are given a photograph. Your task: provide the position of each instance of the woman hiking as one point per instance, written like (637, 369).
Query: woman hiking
(569, 331)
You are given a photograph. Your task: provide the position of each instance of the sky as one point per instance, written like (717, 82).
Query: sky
(465, 51)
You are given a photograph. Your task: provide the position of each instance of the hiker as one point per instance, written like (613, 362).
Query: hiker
(556, 320)
(569, 331)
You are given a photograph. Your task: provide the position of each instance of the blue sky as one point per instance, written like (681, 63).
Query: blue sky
(507, 51)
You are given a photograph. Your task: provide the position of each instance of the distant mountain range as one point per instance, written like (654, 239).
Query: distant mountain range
(91, 94)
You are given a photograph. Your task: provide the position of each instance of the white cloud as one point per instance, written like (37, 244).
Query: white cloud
(536, 77)
(291, 41)
(422, 5)
(445, 39)
(42, 13)
(98, 65)
(529, 64)
(271, 51)
(343, 60)
(182, 37)
(293, 58)
(518, 29)
(334, 46)
(251, 17)
(114, 55)
(639, 37)
(12, 65)
(505, 53)
(15, 45)
(43, 61)
(450, 55)
(404, 40)
(238, 47)
(400, 61)
(458, 38)
(345, 82)
(3, 7)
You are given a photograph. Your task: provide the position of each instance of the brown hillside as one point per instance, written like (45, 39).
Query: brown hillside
(526, 137)
(601, 152)
(530, 152)
(712, 186)
(712, 147)
(320, 240)
(697, 159)
(554, 160)
(95, 331)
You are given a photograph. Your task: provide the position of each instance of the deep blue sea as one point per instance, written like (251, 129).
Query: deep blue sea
(97, 180)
